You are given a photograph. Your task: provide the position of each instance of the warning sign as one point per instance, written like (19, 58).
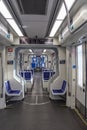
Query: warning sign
(10, 49)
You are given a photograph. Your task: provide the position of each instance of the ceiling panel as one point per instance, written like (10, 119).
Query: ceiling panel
(34, 29)
(35, 20)
(37, 7)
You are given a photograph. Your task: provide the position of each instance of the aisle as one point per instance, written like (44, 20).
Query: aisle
(37, 96)
(37, 88)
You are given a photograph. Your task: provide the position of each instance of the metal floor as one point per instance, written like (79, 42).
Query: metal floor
(37, 112)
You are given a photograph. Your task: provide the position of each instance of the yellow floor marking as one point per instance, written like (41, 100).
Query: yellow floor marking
(84, 121)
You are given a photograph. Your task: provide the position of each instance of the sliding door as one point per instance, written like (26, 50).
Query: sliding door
(81, 79)
(86, 82)
(1, 77)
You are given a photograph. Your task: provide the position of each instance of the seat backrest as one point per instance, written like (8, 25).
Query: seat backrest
(7, 85)
(46, 75)
(27, 75)
(33, 65)
(64, 85)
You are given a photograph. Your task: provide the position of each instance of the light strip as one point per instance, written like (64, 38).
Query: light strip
(59, 19)
(5, 12)
(30, 50)
(62, 12)
(69, 3)
(44, 50)
(15, 26)
(61, 15)
(55, 28)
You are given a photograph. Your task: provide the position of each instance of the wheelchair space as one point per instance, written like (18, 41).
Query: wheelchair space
(34, 113)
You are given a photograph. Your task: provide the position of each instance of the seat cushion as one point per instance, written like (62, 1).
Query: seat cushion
(14, 92)
(57, 91)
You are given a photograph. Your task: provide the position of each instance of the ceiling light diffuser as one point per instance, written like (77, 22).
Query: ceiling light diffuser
(55, 28)
(69, 3)
(62, 12)
(15, 27)
(4, 11)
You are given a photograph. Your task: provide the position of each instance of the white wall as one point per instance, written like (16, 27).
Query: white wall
(71, 75)
(68, 75)
(2, 77)
(62, 67)
(9, 67)
(56, 41)
(61, 56)
(25, 65)
(16, 41)
(49, 61)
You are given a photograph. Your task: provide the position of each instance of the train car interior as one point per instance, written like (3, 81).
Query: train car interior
(43, 64)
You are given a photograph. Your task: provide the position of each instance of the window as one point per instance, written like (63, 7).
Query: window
(79, 66)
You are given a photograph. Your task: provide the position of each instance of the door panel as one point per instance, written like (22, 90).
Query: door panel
(86, 82)
(81, 78)
(1, 80)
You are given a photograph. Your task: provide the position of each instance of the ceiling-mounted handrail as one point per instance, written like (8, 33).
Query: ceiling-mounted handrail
(68, 16)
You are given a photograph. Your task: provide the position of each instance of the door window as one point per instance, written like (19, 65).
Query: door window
(79, 66)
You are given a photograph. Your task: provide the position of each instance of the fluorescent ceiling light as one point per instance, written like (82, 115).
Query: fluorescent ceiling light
(15, 26)
(61, 15)
(55, 28)
(4, 11)
(44, 50)
(59, 19)
(30, 50)
(69, 3)
(62, 12)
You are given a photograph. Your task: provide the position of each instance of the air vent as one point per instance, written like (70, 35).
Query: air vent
(32, 7)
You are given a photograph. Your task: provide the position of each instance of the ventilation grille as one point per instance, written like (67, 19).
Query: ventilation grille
(33, 7)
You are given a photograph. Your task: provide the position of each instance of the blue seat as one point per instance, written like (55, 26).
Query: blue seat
(60, 91)
(46, 75)
(27, 75)
(33, 65)
(9, 91)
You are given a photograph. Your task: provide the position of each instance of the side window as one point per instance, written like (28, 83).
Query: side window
(79, 66)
